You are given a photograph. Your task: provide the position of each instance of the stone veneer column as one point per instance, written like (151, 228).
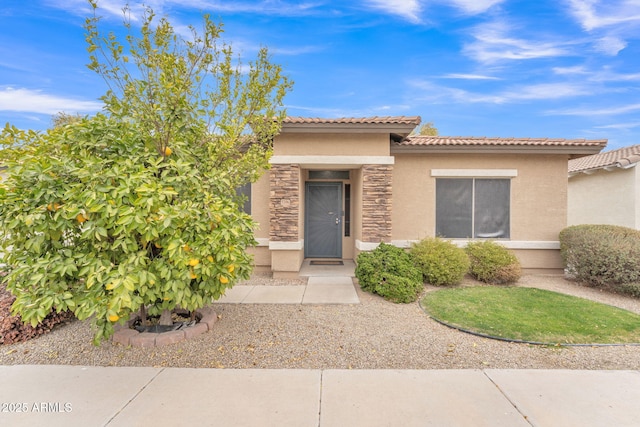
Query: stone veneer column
(284, 203)
(377, 200)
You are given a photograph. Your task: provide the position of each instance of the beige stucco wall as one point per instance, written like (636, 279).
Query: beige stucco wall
(605, 197)
(538, 192)
(538, 196)
(538, 200)
(260, 205)
(321, 144)
(260, 214)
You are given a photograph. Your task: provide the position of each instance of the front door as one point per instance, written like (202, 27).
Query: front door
(323, 220)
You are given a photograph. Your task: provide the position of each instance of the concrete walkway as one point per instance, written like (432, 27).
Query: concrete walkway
(318, 290)
(326, 284)
(106, 396)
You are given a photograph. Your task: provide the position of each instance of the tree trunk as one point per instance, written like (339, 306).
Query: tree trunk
(165, 318)
(143, 316)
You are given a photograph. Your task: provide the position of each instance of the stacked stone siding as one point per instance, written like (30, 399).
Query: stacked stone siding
(284, 203)
(376, 203)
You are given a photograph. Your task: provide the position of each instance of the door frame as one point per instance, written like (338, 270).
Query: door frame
(340, 204)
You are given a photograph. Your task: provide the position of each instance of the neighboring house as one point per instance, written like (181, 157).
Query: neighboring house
(340, 186)
(605, 188)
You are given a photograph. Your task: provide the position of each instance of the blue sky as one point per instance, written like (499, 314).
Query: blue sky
(544, 68)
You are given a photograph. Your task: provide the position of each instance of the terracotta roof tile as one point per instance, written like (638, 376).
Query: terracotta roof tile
(404, 120)
(622, 157)
(471, 141)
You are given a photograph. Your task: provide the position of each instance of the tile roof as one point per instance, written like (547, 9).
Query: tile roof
(471, 141)
(402, 120)
(620, 158)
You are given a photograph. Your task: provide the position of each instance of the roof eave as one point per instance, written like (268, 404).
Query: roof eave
(572, 151)
(391, 128)
(608, 168)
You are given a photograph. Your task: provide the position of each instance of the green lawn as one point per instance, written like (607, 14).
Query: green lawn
(535, 315)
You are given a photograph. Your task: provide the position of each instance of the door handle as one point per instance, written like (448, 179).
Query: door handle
(337, 220)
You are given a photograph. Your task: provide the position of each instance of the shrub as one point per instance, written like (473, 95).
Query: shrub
(13, 330)
(632, 289)
(389, 272)
(442, 263)
(601, 255)
(493, 263)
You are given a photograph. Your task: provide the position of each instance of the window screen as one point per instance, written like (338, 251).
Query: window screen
(244, 193)
(454, 203)
(473, 207)
(491, 210)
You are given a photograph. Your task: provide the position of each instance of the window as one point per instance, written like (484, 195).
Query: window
(473, 207)
(328, 174)
(347, 210)
(244, 193)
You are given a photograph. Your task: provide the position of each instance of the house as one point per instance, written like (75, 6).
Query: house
(337, 187)
(605, 188)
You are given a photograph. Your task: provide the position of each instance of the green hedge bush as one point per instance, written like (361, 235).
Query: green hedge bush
(13, 329)
(442, 263)
(389, 272)
(493, 263)
(602, 255)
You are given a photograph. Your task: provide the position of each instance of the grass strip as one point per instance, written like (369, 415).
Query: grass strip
(534, 315)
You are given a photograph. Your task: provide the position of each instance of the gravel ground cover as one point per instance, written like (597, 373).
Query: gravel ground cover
(374, 334)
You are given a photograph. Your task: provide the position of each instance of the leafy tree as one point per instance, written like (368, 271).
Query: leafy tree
(135, 208)
(62, 118)
(428, 129)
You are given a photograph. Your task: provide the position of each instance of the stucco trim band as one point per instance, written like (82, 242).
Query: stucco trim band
(323, 161)
(262, 241)
(500, 173)
(509, 244)
(286, 246)
(366, 246)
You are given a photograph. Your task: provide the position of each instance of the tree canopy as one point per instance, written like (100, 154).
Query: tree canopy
(136, 208)
(428, 129)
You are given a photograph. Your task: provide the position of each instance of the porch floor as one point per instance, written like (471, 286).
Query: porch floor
(346, 270)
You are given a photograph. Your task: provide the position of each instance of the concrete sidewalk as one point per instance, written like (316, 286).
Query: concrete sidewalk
(68, 396)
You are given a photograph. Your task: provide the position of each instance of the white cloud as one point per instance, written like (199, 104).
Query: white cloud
(113, 8)
(603, 75)
(593, 14)
(469, 77)
(411, 9)
(620, 126)
(408, 9)
(474, 7)
(492, 43)
(597, 111)
(576, 70)
(34, 101)
(610, 45)
(106, 8)
(612, 21)
(301, 50)
(423, 90)
(545, 91)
